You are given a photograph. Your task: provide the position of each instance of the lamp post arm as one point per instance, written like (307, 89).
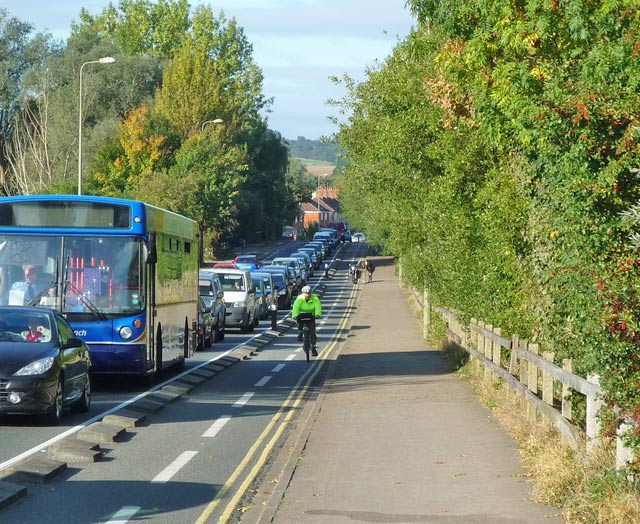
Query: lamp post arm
(104, 60)
(80, 127)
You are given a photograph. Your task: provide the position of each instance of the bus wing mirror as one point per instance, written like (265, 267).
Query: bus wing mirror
(152, 253)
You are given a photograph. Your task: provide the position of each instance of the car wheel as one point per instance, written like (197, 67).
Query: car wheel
(215, 335)
(84, 404)
(221, 333)
(208, 341)
(55, 416)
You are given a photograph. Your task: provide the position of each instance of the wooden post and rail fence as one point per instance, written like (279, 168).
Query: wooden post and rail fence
(544, 385)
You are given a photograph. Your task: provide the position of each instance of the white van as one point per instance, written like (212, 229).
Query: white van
(240, 298)
(333, 233)
(324, 237)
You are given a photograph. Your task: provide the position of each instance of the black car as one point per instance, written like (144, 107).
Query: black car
(213, 297)
(206, 329)
(282, 282)
(44, 367)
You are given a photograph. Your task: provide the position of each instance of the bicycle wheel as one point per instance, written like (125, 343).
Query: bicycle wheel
(306, 344)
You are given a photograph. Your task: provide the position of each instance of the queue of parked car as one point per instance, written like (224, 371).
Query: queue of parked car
(249, 290)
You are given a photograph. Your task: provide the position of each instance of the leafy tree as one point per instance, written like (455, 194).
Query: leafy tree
(300, 182)
(139, 27)
(204, 183)
(23, 57)
(495, 151)
(213, 75)
(142, 154)
(266, 203)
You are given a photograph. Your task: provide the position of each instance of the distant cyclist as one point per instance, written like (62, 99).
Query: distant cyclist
(308, 302)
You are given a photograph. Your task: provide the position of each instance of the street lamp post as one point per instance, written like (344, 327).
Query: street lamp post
(318, 199)
(214, 121)
(104, 60)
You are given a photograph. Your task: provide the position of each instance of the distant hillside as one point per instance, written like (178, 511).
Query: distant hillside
(313, 150)
(320, 169)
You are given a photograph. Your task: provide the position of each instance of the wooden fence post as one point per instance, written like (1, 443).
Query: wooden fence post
(513, 356)
(524, 370)
(567, 405)
(624, 455)
(497, 348)
(426, 313)
(472, 339)
(488, 343)
(480, 343)
(464, 336)
(547, 380)
(532, 380)
(593, 423)
(488, 349)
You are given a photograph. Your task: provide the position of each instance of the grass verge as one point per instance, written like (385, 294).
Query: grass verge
(587, 489)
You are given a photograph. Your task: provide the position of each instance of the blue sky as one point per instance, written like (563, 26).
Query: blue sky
(298, 44)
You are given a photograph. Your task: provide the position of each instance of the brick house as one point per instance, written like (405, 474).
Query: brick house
(323, 207)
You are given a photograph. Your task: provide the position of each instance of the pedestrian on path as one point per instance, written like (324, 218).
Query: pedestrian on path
(369, 267)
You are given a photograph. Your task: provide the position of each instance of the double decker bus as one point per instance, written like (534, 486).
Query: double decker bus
(123, 273)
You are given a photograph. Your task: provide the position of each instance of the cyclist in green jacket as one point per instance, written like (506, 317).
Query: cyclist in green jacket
(308, 302)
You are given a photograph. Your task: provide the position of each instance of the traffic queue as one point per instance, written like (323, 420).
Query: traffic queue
(241, 292)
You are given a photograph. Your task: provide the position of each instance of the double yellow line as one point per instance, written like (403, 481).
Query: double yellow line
(290, 404)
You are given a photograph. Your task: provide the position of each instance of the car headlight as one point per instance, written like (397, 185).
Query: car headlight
(240, 303)
(126, 332)
(37, 367)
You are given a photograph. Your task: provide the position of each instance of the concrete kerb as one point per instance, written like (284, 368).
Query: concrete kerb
(103, 433)
(10, 492)
(75, 451)
(36, 469)
(85, 448)
(165, 396)
(205, 373)
(244, 352)
(126, 419)
(148, 405)
(215, 367)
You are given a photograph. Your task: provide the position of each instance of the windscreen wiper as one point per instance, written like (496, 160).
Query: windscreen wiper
(90, 305)
(85, 300)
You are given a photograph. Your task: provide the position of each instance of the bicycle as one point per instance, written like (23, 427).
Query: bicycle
(354, 273)
(304, 319)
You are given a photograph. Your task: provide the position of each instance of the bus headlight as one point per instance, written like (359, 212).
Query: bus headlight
(126, 333)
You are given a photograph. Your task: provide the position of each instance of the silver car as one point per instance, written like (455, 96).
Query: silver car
(239, 298)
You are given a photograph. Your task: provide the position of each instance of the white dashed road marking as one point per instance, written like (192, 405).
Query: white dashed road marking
(174, 467)
(262, 381)
(243, 400)
(216, 426)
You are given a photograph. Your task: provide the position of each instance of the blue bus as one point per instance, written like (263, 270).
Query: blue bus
(123, 273)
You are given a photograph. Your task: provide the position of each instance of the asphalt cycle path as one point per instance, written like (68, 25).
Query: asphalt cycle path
(395, 437)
